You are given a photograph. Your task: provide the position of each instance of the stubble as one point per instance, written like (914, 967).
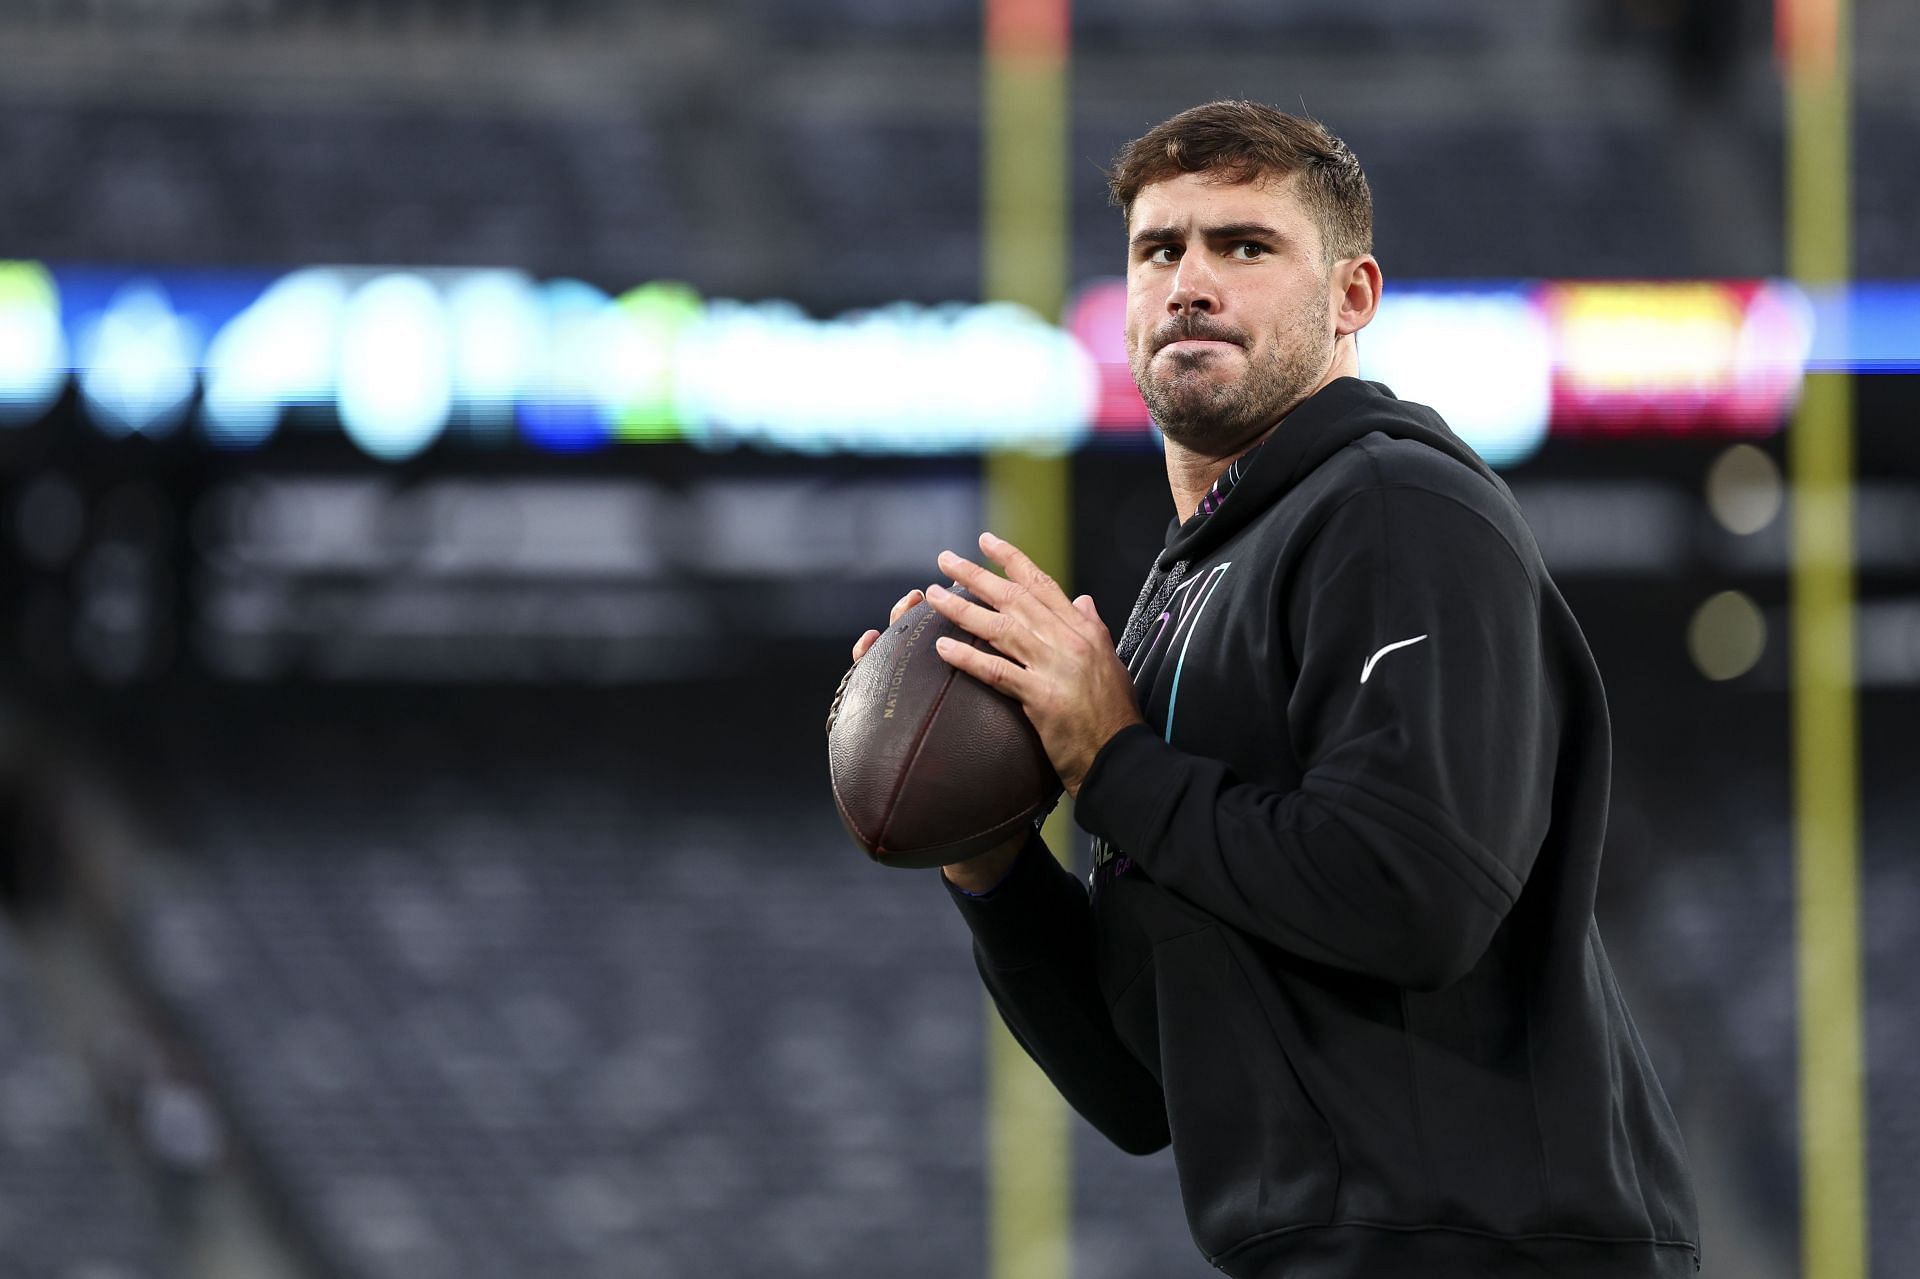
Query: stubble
(1207, 415)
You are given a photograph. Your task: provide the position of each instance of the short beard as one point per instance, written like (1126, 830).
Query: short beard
(1215, 419)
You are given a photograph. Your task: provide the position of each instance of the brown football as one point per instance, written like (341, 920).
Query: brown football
(929, 765)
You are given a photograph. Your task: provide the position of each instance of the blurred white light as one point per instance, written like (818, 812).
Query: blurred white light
(729, 365)
(137, 361)
(282, 350)
(903, 378)
(1727, 635)
(1035, 385)
(396, 368)
(1483, 361)
(33, 351)
(497, 329)
(1744, 489)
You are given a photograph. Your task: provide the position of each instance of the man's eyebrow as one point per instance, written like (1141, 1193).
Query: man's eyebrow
(1157, 235)
(1243, 231)
(1225, 231)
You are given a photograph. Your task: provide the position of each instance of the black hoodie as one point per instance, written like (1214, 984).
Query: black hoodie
(1340, 945)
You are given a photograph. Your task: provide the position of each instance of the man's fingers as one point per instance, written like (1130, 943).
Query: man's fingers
(1030, 594)
(1020, 567)
(1028, 577)
(983, 582)
(989, 668)
(1085, 604)
(909, 600)
(994, 627)
(900, 607)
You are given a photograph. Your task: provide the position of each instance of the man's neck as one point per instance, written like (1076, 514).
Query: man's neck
(1191, 475)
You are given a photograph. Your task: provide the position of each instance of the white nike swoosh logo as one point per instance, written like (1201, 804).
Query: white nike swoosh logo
(1368, 668)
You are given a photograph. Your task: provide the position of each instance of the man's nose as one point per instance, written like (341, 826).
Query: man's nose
(1195, 288)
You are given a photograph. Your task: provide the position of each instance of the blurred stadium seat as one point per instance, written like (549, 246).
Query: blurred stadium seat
(1580, 197)
(863, 22)
(251, 15)
(1322, 25)
(1887, 237)
(485, 1016)
(291, 184)
(71, 1204)
(893, 206)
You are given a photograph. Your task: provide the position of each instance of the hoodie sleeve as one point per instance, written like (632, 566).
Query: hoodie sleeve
(1033, 944)
(1423, 719)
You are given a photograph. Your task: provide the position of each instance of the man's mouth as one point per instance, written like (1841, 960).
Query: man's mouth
(1193, 339)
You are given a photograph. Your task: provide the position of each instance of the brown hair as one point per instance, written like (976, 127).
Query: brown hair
(1247, 141)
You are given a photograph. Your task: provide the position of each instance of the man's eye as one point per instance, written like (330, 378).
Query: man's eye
(1249, 250)
(1162, 256)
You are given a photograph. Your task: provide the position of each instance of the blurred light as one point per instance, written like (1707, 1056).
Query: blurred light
(1727, 635)
(560, 407)
(484, 350)
(1744, 490)
(33, 354)
(284, 349)
(1770, 359)
(1866, 328)
(1676, 356)
(730, 363)
(137, 361)
(396, 375)
(639, 389)
(1482, 360)
(497, 330)
(1097, 318)
(901, 379)
(1621, 338)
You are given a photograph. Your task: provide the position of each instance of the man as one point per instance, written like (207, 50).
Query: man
(1347, 775)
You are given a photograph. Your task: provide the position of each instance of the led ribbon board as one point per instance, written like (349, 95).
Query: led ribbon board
(485, 358)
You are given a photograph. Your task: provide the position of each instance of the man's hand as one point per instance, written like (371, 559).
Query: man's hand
(910, 600)
(1063, 671)
(976, 874)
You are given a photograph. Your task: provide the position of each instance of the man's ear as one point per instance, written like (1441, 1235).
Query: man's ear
(1359, 281)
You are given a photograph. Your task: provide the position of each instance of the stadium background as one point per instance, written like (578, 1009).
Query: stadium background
(448, 446)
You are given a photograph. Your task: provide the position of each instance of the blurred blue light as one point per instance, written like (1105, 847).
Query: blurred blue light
(136, 362)
(1866, 328)
(561, 408)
